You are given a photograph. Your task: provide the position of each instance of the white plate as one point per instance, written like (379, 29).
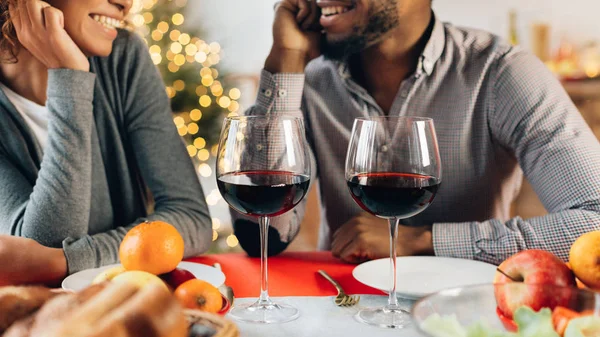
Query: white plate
(418, 276)
(203, 272)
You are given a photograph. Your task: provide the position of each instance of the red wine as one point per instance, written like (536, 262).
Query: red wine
(393, 194)
(263, 193)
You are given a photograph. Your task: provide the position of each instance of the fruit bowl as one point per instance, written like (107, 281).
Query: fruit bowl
(476, 305)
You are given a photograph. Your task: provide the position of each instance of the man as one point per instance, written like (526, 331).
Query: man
(498, 112)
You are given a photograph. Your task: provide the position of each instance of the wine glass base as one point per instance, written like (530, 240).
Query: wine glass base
(269, 313)
(385, 318)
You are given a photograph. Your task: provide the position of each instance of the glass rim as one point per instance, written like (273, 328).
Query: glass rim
(409, 118)
(233, 118)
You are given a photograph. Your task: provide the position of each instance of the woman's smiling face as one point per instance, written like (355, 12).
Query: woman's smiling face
(92, 24)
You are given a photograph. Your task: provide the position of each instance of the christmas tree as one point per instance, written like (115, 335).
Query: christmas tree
(200, 98)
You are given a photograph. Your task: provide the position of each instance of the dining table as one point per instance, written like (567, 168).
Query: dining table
(293, 279)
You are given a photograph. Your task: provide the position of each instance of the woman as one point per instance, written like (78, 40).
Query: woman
(86, 131)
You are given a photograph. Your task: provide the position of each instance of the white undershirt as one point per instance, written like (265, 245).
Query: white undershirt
(35, 115)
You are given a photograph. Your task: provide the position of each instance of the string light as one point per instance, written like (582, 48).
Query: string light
(176, 47)
(215, 47)
(224, 102)
(204, 170)
(192, 150)
(207, 80)
(179, 121)
(234, 106)
(193, 129)
(235, 93)
(199, 143)
(174, 35)
(201, 90)
(157, 35)
(205, 101)
(184, 39)
(215, 235)
(162, 27)
(148, 17)
(232, 241)
(191, 49)
(214, 149)
(195, 115)
(177, 19)
(179, 60)
(203, 155)
(216, 223)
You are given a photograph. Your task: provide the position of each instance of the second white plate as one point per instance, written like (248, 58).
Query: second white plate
(203, 272)
(418, 276)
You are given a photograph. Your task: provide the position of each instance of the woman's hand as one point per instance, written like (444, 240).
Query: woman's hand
(24, 261)
(40, 30)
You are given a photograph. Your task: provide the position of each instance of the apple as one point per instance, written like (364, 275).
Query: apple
(176, 277)
(528, 271)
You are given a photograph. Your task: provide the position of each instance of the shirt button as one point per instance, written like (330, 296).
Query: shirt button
(282, 93)
(268, 92)
(384, 148)
(259, 147)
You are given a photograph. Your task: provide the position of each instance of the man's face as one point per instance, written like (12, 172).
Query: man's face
(351, 26)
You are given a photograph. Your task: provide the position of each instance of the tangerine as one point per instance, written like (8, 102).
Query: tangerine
(584, 258)
(199, 295)
(155, 247)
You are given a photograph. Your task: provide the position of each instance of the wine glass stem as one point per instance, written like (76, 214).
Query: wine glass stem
(264, 299)
(393, 300)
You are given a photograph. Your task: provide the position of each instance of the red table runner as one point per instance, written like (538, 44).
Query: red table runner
(290, 274)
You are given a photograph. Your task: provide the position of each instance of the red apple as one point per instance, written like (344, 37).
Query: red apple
(176, 277)
(537, 273)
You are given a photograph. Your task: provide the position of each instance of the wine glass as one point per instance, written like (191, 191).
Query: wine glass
(393, 171)
(263, 170)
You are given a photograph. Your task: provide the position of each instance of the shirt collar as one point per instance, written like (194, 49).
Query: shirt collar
(434, 48)
(431, 54)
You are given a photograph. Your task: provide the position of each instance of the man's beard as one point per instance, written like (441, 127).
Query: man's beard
(383, 17)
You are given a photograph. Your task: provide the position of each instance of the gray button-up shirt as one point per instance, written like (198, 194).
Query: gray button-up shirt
(498, 112)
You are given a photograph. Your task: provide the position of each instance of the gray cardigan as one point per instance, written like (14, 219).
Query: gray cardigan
(113, 160)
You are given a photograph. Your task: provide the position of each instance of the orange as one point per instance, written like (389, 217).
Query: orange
(580, 284)
(584, 259)
(155, 247)
(199, 295)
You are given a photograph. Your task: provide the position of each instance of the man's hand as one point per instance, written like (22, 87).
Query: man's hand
(40, 29)
(366, 237)
(296, 36)
(24, 261)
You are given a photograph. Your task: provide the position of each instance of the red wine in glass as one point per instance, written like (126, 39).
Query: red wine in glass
(263, 193)
(390, 194)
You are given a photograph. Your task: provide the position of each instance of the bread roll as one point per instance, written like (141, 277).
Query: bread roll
(20, 302)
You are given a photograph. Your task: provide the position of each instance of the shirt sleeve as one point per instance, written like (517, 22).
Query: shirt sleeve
(57, 203)
(164, 164)
(280, 93)
(533, 117)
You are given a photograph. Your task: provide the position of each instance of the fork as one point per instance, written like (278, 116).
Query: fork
(226, 290)
(342, 299)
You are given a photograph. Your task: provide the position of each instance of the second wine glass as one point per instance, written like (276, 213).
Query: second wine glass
(393, 171)
(263, 170)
